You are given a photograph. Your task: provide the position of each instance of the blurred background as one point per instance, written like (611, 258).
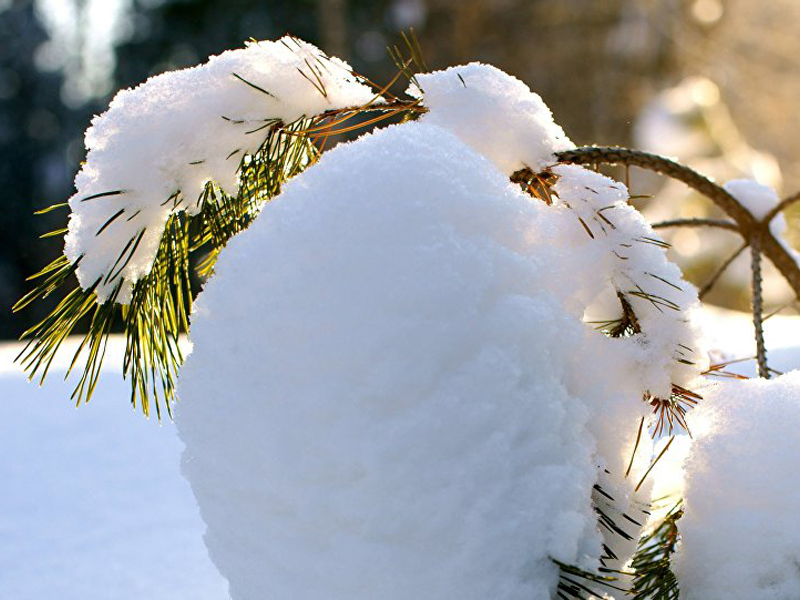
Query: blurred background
(714, 83)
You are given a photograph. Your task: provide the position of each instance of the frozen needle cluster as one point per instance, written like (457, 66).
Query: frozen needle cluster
(158, 145)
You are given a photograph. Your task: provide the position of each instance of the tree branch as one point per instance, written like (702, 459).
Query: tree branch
(747, 224)
(758, 311)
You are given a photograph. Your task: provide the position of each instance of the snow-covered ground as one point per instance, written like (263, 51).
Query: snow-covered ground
(92, 503)
(731, 332)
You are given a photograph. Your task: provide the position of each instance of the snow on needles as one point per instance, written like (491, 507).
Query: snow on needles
(152, 152)
(495, 113)
(739, 533)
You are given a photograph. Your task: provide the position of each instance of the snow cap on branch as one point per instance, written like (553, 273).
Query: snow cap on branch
(495, 113)
(756, 197)
(760, 199)
(631, 261)
(155, 148)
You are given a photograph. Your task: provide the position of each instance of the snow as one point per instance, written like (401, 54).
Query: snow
(404, 367)
(60, 468)
(756, 197)
(623, 255)
(739, 535)
(385, 384)
(93, 505)
(635, 264)
(731, 338)
(404, 372)
(494, 113)
(397, 388)
(760, 199)
(179, 130)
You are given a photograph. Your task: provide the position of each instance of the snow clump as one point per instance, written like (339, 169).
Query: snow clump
(759, 200)
(469, 100)
(377, 405)
(155, 148)
(739, 533)
(393, 392)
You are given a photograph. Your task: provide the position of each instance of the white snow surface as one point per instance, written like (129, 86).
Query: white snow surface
(739, 534)
(397, 365)
(756, 197)
(633, 263)
(92, 503)
(495, 113)
(378, 410)
(179, 130)
(760, 199)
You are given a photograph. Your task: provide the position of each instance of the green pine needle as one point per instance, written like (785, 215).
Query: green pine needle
(654, 579)
(160, 304)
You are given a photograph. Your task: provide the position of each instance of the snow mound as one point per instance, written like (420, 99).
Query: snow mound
(495, 113)
(740, 529)
(382, 411)
(152, 152)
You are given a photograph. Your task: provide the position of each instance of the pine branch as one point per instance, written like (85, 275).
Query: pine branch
(654, 579)
(160, 304)
(158, 311)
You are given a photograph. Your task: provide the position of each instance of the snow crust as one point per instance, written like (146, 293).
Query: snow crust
(740, 529)
(495, 113)
(181, 129)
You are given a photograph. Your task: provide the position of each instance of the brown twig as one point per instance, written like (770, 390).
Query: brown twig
(722, 268)
(758, 314)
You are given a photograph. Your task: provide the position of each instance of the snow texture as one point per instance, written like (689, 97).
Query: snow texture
(405, 384)
(760, 199)
(624, 256)
(387, 387)
(739, 534)
(669, 350)
(179, 130)
(756, 197)
(92, 502)
(494, 113)
(396, 359)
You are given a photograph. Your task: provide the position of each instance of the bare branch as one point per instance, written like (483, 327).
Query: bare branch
(722, 268)
(758, 314)
(783, 204)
